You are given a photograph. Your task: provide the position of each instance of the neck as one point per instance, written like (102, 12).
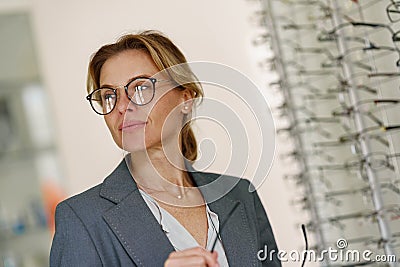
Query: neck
(153, 169)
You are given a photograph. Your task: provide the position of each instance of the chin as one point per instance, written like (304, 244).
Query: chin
(130, 141)
(137, 141)
(133, 145)
(132, 148)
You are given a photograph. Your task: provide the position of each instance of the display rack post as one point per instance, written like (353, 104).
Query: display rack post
(276, 46)
(376, 191)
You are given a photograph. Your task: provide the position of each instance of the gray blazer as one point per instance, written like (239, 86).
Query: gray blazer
(111, 225)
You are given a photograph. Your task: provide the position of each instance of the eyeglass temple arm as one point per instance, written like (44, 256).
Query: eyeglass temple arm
(222, 225)
(353, 23)
(303, 229)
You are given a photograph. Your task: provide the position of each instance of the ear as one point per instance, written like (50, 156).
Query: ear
(187, 104)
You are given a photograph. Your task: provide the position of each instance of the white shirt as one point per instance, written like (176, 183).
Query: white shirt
(179, 237)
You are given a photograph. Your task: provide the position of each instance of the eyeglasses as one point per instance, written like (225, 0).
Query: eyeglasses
(367, 107)
(395, 35)
(376, 161)
(365, 215)
(318, 153)
(393, 11)
(343, 88)
(335, 61)
(294, 129)
(139, 90)
(382, 52)
(376, 242)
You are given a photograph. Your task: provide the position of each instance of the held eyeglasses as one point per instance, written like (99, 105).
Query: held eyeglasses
(139, 90)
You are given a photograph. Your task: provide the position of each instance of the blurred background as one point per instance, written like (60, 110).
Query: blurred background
(52, 143)
(327, 69)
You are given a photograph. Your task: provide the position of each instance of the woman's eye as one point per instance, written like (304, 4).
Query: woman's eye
(109, 96)
(142, 87)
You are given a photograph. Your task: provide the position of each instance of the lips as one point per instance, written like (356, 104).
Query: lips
(126, 125)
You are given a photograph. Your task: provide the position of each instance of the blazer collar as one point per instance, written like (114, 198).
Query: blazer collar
(140, 234)
(120, 183)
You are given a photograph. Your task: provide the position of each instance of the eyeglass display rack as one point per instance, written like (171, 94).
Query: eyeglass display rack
(338, 63)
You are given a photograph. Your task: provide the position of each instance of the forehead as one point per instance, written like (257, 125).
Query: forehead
(120, 68)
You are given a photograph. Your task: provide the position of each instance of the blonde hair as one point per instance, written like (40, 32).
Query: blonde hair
(165, 55)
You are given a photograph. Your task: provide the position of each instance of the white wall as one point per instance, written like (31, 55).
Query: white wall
(68, 32)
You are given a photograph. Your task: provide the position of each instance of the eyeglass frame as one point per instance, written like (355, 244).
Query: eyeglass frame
(151, 79)
(359, 63)
(395, 35)
(396, 5)
(347, 110)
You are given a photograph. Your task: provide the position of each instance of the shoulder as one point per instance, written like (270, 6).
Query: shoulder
(235, 187)
(86, 206)
(240, 182)
(87, 197)
(93, 202)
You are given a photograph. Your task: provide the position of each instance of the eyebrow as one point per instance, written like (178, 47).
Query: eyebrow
(131, 79)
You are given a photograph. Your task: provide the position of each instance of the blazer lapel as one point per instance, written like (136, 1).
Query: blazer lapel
(132, 221)
(237, 239)
(141, 236)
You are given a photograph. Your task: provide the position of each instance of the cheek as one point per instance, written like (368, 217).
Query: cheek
(166, 115)
(110, 122)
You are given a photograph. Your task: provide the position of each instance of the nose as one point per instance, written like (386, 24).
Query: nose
(123, 103)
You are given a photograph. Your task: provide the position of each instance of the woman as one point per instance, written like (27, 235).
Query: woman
(154, 209)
